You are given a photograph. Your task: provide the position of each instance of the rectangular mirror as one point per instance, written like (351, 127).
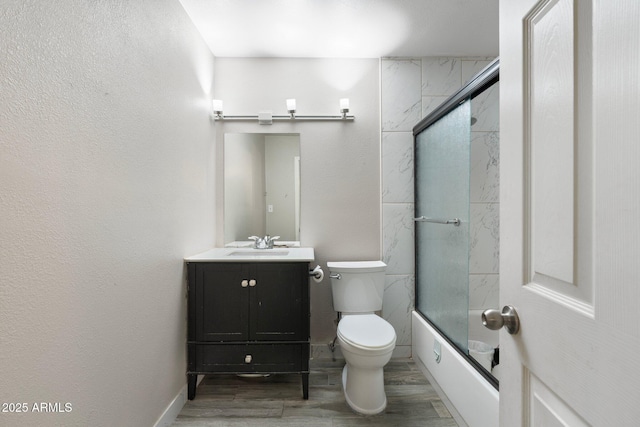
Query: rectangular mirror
(261, 186)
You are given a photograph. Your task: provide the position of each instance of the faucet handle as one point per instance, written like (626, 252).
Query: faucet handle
(258, 242)
(268, 240)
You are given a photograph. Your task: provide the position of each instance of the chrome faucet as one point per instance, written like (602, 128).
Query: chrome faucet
(265, 242)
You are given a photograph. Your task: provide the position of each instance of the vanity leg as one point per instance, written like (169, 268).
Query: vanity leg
(305, 386)
(192, 380)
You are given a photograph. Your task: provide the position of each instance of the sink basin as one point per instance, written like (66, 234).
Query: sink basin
(259, 252)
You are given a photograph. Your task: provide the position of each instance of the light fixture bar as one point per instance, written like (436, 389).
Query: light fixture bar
(266, 118)
(289, 118)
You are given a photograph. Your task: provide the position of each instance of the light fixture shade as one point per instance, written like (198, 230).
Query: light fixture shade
(217, 105)
(291, 104)
(344, 104)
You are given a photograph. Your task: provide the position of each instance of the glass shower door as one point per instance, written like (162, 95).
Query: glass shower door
(442, 156)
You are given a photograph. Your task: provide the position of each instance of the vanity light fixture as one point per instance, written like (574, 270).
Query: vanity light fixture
(344, 107)
(217, 109)
(291, 109)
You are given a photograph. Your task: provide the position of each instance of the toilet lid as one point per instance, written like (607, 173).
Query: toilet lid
(366, 331)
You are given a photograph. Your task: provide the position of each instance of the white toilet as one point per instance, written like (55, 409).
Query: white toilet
(366, 340)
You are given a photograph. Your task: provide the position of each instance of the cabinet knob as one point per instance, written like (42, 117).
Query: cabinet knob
(244, 283)
(252, 283)
(248, 358)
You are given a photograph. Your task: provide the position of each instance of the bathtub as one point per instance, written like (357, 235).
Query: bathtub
(474, 399)
(478, 333)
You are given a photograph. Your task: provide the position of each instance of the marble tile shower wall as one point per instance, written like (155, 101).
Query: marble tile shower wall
(410, 89)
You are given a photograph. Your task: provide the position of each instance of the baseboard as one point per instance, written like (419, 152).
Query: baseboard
(171, 413)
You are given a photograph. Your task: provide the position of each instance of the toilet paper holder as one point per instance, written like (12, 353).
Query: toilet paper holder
(317, 274)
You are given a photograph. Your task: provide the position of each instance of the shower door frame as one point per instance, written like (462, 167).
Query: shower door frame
(474, 87)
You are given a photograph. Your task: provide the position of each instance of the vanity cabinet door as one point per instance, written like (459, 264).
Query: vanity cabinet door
(279, 302)
(222, 312)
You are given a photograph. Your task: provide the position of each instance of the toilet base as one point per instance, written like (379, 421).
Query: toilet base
(364, 390)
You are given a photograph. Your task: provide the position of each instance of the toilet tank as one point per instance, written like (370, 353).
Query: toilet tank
(360, 286)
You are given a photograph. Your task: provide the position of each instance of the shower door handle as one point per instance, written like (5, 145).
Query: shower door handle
(454, 221)
(494, 319)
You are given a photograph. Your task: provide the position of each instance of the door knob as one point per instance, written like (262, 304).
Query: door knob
(494, 319)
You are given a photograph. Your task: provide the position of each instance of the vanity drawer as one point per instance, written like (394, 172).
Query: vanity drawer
(250, 358)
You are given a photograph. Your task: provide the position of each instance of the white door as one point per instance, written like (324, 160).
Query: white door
(570, 212)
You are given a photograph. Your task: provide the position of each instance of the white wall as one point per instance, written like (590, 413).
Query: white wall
(106, 183)
(340, 161)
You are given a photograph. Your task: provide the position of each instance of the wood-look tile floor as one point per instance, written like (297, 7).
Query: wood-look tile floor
(229, 400)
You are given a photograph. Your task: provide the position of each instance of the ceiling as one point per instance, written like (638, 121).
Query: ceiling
(347, 28)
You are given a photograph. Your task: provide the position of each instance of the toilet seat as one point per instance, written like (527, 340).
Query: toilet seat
(367, 332)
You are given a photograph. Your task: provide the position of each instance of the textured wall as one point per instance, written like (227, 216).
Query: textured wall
(106, 182)
(340, 161)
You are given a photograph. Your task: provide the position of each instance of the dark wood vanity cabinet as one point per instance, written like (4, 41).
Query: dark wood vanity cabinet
(248, 317)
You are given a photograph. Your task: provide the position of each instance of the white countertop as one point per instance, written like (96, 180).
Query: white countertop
(254, 255)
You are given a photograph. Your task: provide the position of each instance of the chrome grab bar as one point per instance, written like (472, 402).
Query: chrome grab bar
(454, 221)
